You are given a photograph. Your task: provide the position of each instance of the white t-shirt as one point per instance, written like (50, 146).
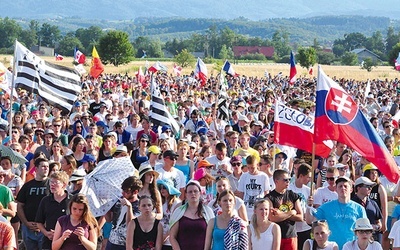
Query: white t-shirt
(323, 195)
(352, 245)
(304, 193)
(253, 187)
(175, 175)
(217, 170)
(395, 234)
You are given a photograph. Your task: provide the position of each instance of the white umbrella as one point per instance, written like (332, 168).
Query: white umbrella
(16, 158)
(102, 186)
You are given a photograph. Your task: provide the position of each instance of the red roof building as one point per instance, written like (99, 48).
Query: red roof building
(243, 50)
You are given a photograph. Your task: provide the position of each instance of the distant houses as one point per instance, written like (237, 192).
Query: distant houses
(363, 53)
(42, 51)
(267, 51)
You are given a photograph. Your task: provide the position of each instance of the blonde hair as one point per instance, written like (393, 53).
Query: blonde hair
(254, 217)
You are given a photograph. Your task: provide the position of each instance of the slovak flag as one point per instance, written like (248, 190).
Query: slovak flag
(294, 128)
(397, 63)
(58, 57)
(293, 70)
(79, 57)
(229, 69)
(338, 117)
(201, 71)
(177, 70)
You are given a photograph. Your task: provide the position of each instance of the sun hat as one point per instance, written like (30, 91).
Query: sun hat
(365, 181)
(78, 174)
(146, 168)
(363, 224)
(200, 173)
(204, 164)
(88, 158)
(169, 186)
(154, 149)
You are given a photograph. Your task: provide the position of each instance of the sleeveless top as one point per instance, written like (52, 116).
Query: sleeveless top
(192, 233)
(375, 196)
(143, 240)
(185, 169)
(72, 242)
(329, 245)
(265, 241)
(218, 237)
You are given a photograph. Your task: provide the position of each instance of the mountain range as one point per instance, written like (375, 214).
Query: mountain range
(223, 9)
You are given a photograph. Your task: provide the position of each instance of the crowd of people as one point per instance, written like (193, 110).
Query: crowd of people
(212, 184)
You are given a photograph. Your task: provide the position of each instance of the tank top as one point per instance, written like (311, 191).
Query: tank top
(192, 233)
(375, 196)
(218, 237)
(329, 245)
(265, 241)
(72, 242)
(185, 169)
(143, 240)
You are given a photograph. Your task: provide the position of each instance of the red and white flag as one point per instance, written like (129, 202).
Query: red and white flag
(397, 63)
(79, 57)
(201, 71)
(58, 57)
(177, 70)
(140, 76)
(158, 67)
(296, 129)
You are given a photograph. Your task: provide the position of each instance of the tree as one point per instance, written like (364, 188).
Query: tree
(307, 57)
(30, 36)
(325, 57)
(280, 41)
(9, 30)
(49, 35)
(394, 53)
(115, 48)
(67, 45)
(226, 53)
(89, 37)
(349, 58)
(184, 58)
(368, 63)
(391, 39)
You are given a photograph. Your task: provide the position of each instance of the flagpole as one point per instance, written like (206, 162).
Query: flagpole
(12, 88)
(313, 170)
(216, 104)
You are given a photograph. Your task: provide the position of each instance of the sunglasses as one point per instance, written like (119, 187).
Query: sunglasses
(3, 175)
(388, 126)
(173, 158)
(285, 179)
(315, 223)
(236, 164)
(161, 187)
(367, 186)
(143, 140)
(342, 169)
(56, 125)
(364, 231)
(330, 178)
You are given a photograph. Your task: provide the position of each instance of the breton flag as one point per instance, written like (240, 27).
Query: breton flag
(201, 71)
(397, 63)
(57, 85)
(79, 57)
(177, 70)
(58, 57)
(295, 129)
(223, 109)
(229, 69)
(339, 118)
(159, 113)
(293, 71)
(158, 67)
(97, 67)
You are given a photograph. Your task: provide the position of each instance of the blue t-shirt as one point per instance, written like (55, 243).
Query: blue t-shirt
(396, 212)
(341, 218)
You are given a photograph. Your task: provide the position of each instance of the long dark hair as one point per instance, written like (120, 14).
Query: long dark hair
(153, 190)
(199, 211)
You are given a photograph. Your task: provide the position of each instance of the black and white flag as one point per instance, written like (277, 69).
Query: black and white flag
(57, 85)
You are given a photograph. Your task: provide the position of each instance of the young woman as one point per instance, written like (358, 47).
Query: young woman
(263, 234)
(329, 162)
(346, 159)
(206, 181)
(139, 155)
(144, 232)
(78, 230)
(56, 152)
(320, 231)
(226, 231)
(107, 149)
(78, 148)
(183, 163)
(148, 177)
(170, 200)
(68, 164)
(18, 120)
(189, 221)
(223, 184)
(363, 230)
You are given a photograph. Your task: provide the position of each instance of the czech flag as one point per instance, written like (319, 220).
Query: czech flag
(79, 57)
(229, 69)
(97, 66)
(397, 63)
(201, 71)
(58, 57)
(338, 117)
(293, 70)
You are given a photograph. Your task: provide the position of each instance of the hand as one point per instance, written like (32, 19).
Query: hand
(80, 232)
(125, 202)
(32, 226)
(66, 234)
(50, 234)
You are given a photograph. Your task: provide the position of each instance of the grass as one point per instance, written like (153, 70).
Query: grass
(248, 69)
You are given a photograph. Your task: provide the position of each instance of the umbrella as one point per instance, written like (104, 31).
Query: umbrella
(102, 186)
(16, 158)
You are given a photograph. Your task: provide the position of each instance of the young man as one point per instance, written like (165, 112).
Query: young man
(123, 212)
(245, 149)
(222, 166)
(236, 163)
(52, 207)
(328, 193)
(286, 209)
(303, 177)
(341, 214)
(28, 199)
(252, 184)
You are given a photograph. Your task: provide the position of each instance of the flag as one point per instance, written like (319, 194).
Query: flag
(80, 69)
(229, 69)
(310, 71)
(177, 70)
(6, 79)
(58, 57)
(144, 54)
(295, 129)
(97, 67)
(293, 71)
(201, 71)
(397, 63)
(158, 67)
(223, 109)
(140, 76)
(79, 57)
(57, 85)
(338, 117)
(159, 113)
(367, 89)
